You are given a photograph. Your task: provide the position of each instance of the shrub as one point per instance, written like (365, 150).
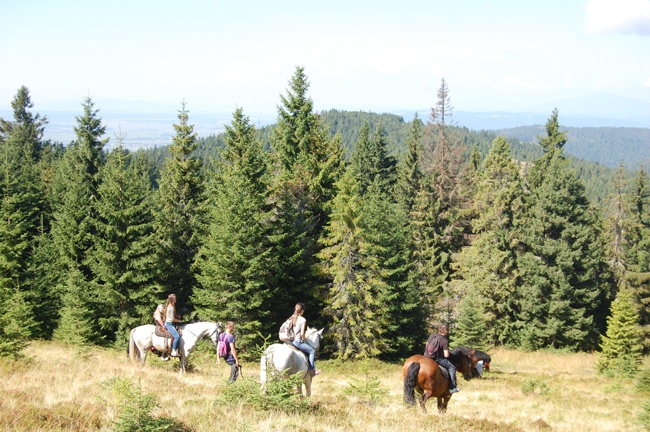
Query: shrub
(134, 410)
(278, 395)
(369, 389)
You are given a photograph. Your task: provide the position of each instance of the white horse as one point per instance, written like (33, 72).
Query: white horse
(143, 338)
(283, 361)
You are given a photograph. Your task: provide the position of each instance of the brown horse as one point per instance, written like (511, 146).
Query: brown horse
(422, 374)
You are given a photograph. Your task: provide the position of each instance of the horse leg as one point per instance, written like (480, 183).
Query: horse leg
(442, 404)
(423, 400)
(183, 363)
(263, 368)
(308, 385)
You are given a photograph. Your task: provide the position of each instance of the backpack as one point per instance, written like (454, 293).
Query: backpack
(432, 349)
(286, 333)
(222, 346)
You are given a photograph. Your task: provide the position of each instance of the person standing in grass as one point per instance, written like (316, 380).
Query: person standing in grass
(229, 338)
(170, 319)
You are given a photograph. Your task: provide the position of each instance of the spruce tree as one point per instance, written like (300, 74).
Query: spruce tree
(354, 302)
(371, 162)
(618, 223)
(409, 170)
(488, 265)
(638, 253)
(292, 135)
(23, 208)
(565, 285)
(180, 214)
(471, 325)
(309, 162)
(443, 162)
(16, 325)
(236, 262)
(73, 228)
(621, 347)
(430, 263)
(123, 258)
(384, 231)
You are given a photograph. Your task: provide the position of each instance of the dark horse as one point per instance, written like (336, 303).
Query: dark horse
(422, 374)
(476, 356)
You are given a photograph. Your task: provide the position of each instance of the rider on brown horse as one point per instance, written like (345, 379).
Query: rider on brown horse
(438, 349)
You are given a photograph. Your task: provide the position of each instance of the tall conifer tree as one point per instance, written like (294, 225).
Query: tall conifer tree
(430, 263)
(23, 210)
(73, 227)
(236, 263)
(488, 266)
(410, 170)
(387, 249)
(638, 253)
(180, 214)
(354, 301)
(123, 258)
(565, 286)
(310, 162)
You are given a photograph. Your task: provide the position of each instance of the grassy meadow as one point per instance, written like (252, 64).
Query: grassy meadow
(63, 388)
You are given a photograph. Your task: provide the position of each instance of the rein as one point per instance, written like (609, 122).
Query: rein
(216, 328)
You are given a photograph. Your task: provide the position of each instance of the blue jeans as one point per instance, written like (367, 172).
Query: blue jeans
(452, 370)
(172, 330)
(307, 349)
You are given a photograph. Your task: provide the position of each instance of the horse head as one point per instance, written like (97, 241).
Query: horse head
(313, 337)
(214, 333)
(464, 360)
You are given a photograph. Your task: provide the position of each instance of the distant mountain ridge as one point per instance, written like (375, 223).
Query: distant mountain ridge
(597, 110)
(150, 124)
(609, 146)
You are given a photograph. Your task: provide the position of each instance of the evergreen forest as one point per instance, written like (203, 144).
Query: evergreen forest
(385, 229)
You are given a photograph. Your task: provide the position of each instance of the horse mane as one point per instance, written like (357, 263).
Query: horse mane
(460, 350)
(482, 356)
(457, 356)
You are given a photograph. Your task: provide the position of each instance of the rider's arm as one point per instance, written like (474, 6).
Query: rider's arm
(446, 353)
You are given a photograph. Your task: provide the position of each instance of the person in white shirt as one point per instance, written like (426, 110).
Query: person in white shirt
(299, 329)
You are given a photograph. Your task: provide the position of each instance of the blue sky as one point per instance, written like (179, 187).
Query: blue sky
(359, 55)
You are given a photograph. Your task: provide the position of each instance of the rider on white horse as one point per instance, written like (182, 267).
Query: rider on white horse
(170, 319)
(158, 321)
(299, 329)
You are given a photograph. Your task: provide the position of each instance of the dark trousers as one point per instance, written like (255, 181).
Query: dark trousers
(234, 372)
(452, 370)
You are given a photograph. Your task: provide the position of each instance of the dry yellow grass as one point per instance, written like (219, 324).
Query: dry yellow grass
(63, 388)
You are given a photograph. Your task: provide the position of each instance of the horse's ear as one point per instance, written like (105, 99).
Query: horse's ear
(320, 332)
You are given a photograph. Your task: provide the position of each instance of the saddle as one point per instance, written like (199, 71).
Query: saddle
(444, 371)
(162, 332)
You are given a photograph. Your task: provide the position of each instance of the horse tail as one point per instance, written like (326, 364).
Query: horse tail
(410, 380)
(133, 349)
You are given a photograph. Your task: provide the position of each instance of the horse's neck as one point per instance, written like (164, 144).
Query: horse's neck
(193, 332)
(314, 343)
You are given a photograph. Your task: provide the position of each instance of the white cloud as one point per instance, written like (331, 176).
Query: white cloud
(647, 82)
(620, 16)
